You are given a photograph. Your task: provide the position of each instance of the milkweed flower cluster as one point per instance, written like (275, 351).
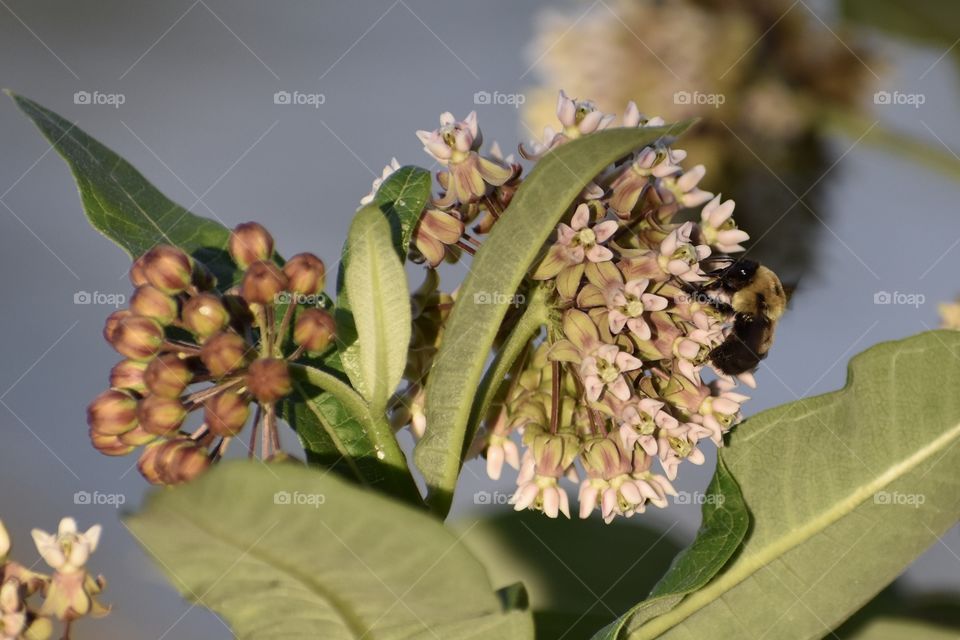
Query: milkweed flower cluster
(68, 593)
(190, 347)
(614, 396)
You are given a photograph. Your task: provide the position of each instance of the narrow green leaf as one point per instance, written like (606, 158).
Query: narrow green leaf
(283, 552)
(498, 268)
(122, 205)
(844, 489)
(376, 286)
(724, 524)
(402, 198)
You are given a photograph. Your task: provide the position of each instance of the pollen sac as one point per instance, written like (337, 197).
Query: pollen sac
(205, 315)
(226, 414)
(225, 353)
(314, 330)
(262, 283)
(249, 243)
(167, 376)
(136, 337)
(269, 379)
(306, 274)
(168, 269)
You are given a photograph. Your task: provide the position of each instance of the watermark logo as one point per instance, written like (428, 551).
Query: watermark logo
(914, 300)
(299, 98)
(487, 497)
(694, 297)
(495, 297)
(699, 98)
(299, 499)
(115, 300)
(899, 98)
(99, 98)
(96, 498)
(292, 297)
(497, 98)
(698, 497)
(900, 499)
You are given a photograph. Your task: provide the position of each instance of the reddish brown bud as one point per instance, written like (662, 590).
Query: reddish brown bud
(113, 322)
(147, 464)
(179, 460)
(161, 416)
(249, 243)
(224, 353)
(268, 379)
(167, 268)
(151, 302)
(305, 273)
(167, 376)
(128, 374)
(136, 273)
(314, 330)
(137, 437)
(112, 412)
(109, 445)
(226, 413)
(262, 282)
(137, 337)
(205, 315)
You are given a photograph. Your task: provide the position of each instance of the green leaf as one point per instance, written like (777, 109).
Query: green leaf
(283, 552)
(935, 22)
(361, 439)
(724, 524)
(122, 205)
(497, 269)
(402, 198)
(579, 574)
(845, 490)
(376, 286)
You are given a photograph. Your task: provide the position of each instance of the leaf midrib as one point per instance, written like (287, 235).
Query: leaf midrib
(782, 545)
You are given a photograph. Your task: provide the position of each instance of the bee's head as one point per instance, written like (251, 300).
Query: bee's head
(739, 274)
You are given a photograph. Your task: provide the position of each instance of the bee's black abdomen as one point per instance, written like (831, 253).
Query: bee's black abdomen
(742, 350)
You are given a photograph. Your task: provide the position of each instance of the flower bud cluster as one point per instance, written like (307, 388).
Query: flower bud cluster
(67, 594)
(190, 347)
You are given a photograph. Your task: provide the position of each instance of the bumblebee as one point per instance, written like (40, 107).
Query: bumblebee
(757, 300)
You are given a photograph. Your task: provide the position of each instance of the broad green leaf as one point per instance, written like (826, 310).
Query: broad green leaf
(724, 524)
(934, 22)
(283, 552)
(900, 628)
(578, 574)
(844, 490)
(495, 273)
(122, 205)
(376, 286)
(402, 198)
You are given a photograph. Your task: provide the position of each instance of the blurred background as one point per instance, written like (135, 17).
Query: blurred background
(833, 125)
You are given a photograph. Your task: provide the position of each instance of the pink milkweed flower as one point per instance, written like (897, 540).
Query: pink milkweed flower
(628, 305)
(455, 145)
(629, 185)
(577, 117)
(577, 244)
(680, 257)
(633, 118)
(718, 228)
(68, 550)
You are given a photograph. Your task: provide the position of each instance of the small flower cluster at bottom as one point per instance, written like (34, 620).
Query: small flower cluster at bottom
(68, 594)
(180, 331)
